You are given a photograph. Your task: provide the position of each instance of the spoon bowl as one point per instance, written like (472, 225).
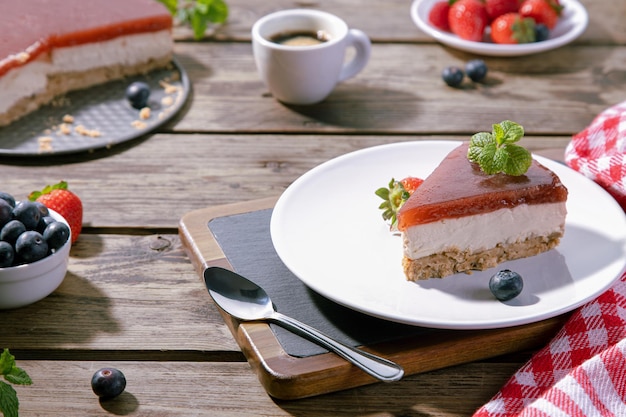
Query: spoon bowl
(246, 301)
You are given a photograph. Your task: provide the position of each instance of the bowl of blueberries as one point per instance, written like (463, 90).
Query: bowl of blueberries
(34, 251)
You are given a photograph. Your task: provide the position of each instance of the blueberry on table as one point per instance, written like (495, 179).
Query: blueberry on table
(28, 213)
(11, 231)
(6, 254)
(108, 383)
(506, 285)
(476, 69)
(137, 94)
(30, 246)
(453, 76)
(56, 234)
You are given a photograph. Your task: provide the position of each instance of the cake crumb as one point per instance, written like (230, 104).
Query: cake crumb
(68, 118)
(45, 143)
(138, 124)
(167, 101)
(65, 129)
(168, 88)
(144, 113)
(82, 130)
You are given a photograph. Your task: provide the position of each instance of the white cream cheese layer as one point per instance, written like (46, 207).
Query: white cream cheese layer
(484, 231)
(32, 78)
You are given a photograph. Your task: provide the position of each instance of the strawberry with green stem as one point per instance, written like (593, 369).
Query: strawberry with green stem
(395, 195)
(513, 28)
(58, 198)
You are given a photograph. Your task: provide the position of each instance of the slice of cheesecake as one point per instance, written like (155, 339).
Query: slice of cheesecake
(50, 47)
(461, 219)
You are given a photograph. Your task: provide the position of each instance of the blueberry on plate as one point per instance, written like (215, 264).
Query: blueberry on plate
(30, 246)
(476, 69)
(506, 285)
(108, 383)
(453, 76)
(137, 94)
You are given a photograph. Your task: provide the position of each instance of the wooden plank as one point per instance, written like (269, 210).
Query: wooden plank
(389, 21)
(172, 389)
(288, 377)
(401, 92)
(122, 295)
(120, 188)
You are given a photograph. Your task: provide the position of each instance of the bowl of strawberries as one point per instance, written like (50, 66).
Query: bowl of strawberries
(501, 27)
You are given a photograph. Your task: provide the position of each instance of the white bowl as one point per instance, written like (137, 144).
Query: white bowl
(25, 284)
(571, 25)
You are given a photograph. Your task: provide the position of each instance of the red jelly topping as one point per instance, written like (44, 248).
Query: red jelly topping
(33, 27)
(458, 188)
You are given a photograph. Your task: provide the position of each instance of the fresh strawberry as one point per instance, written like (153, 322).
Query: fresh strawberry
(410, 184)
(542, 11)
(468, 19)
(512, 28)
(496, 8)
(395, 195)
(58, 198)
(438, 15)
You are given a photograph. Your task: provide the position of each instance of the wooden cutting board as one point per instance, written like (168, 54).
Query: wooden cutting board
(289, 377)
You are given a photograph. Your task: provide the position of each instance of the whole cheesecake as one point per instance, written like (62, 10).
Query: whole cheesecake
(50, 47)
(461, 219)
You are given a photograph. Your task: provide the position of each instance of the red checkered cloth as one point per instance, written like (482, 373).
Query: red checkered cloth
(599, 151)
(582, 371)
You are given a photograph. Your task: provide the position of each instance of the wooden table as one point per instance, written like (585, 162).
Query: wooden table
(132, 299)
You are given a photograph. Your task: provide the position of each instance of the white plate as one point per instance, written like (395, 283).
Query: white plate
(571, 25)
(328, 230)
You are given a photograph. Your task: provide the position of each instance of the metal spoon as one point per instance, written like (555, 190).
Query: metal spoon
(246, 301)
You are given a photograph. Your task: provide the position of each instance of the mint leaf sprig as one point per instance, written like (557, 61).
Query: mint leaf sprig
(197, 13)
(9, 404)
(497, 152)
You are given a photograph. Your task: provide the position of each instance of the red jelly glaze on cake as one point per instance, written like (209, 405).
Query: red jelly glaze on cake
(34, 27)
(469, 191)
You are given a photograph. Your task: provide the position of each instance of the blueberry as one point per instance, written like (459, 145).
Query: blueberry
(56, 234)
(476, 69)
(30, 246)
(506, 285)
(8, 198)
(541, 32)
(42, 208)
(6, 212)
(28, 213)
(44, 222)
(11, 231)
(6, 254)
(108, 383)
(137, 94)
(453, 76)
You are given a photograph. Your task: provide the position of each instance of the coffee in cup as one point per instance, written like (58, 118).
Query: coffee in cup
(300, 54)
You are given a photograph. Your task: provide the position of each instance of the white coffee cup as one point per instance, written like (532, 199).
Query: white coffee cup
(306, 74)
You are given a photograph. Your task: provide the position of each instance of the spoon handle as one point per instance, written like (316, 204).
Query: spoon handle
(376, 366)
